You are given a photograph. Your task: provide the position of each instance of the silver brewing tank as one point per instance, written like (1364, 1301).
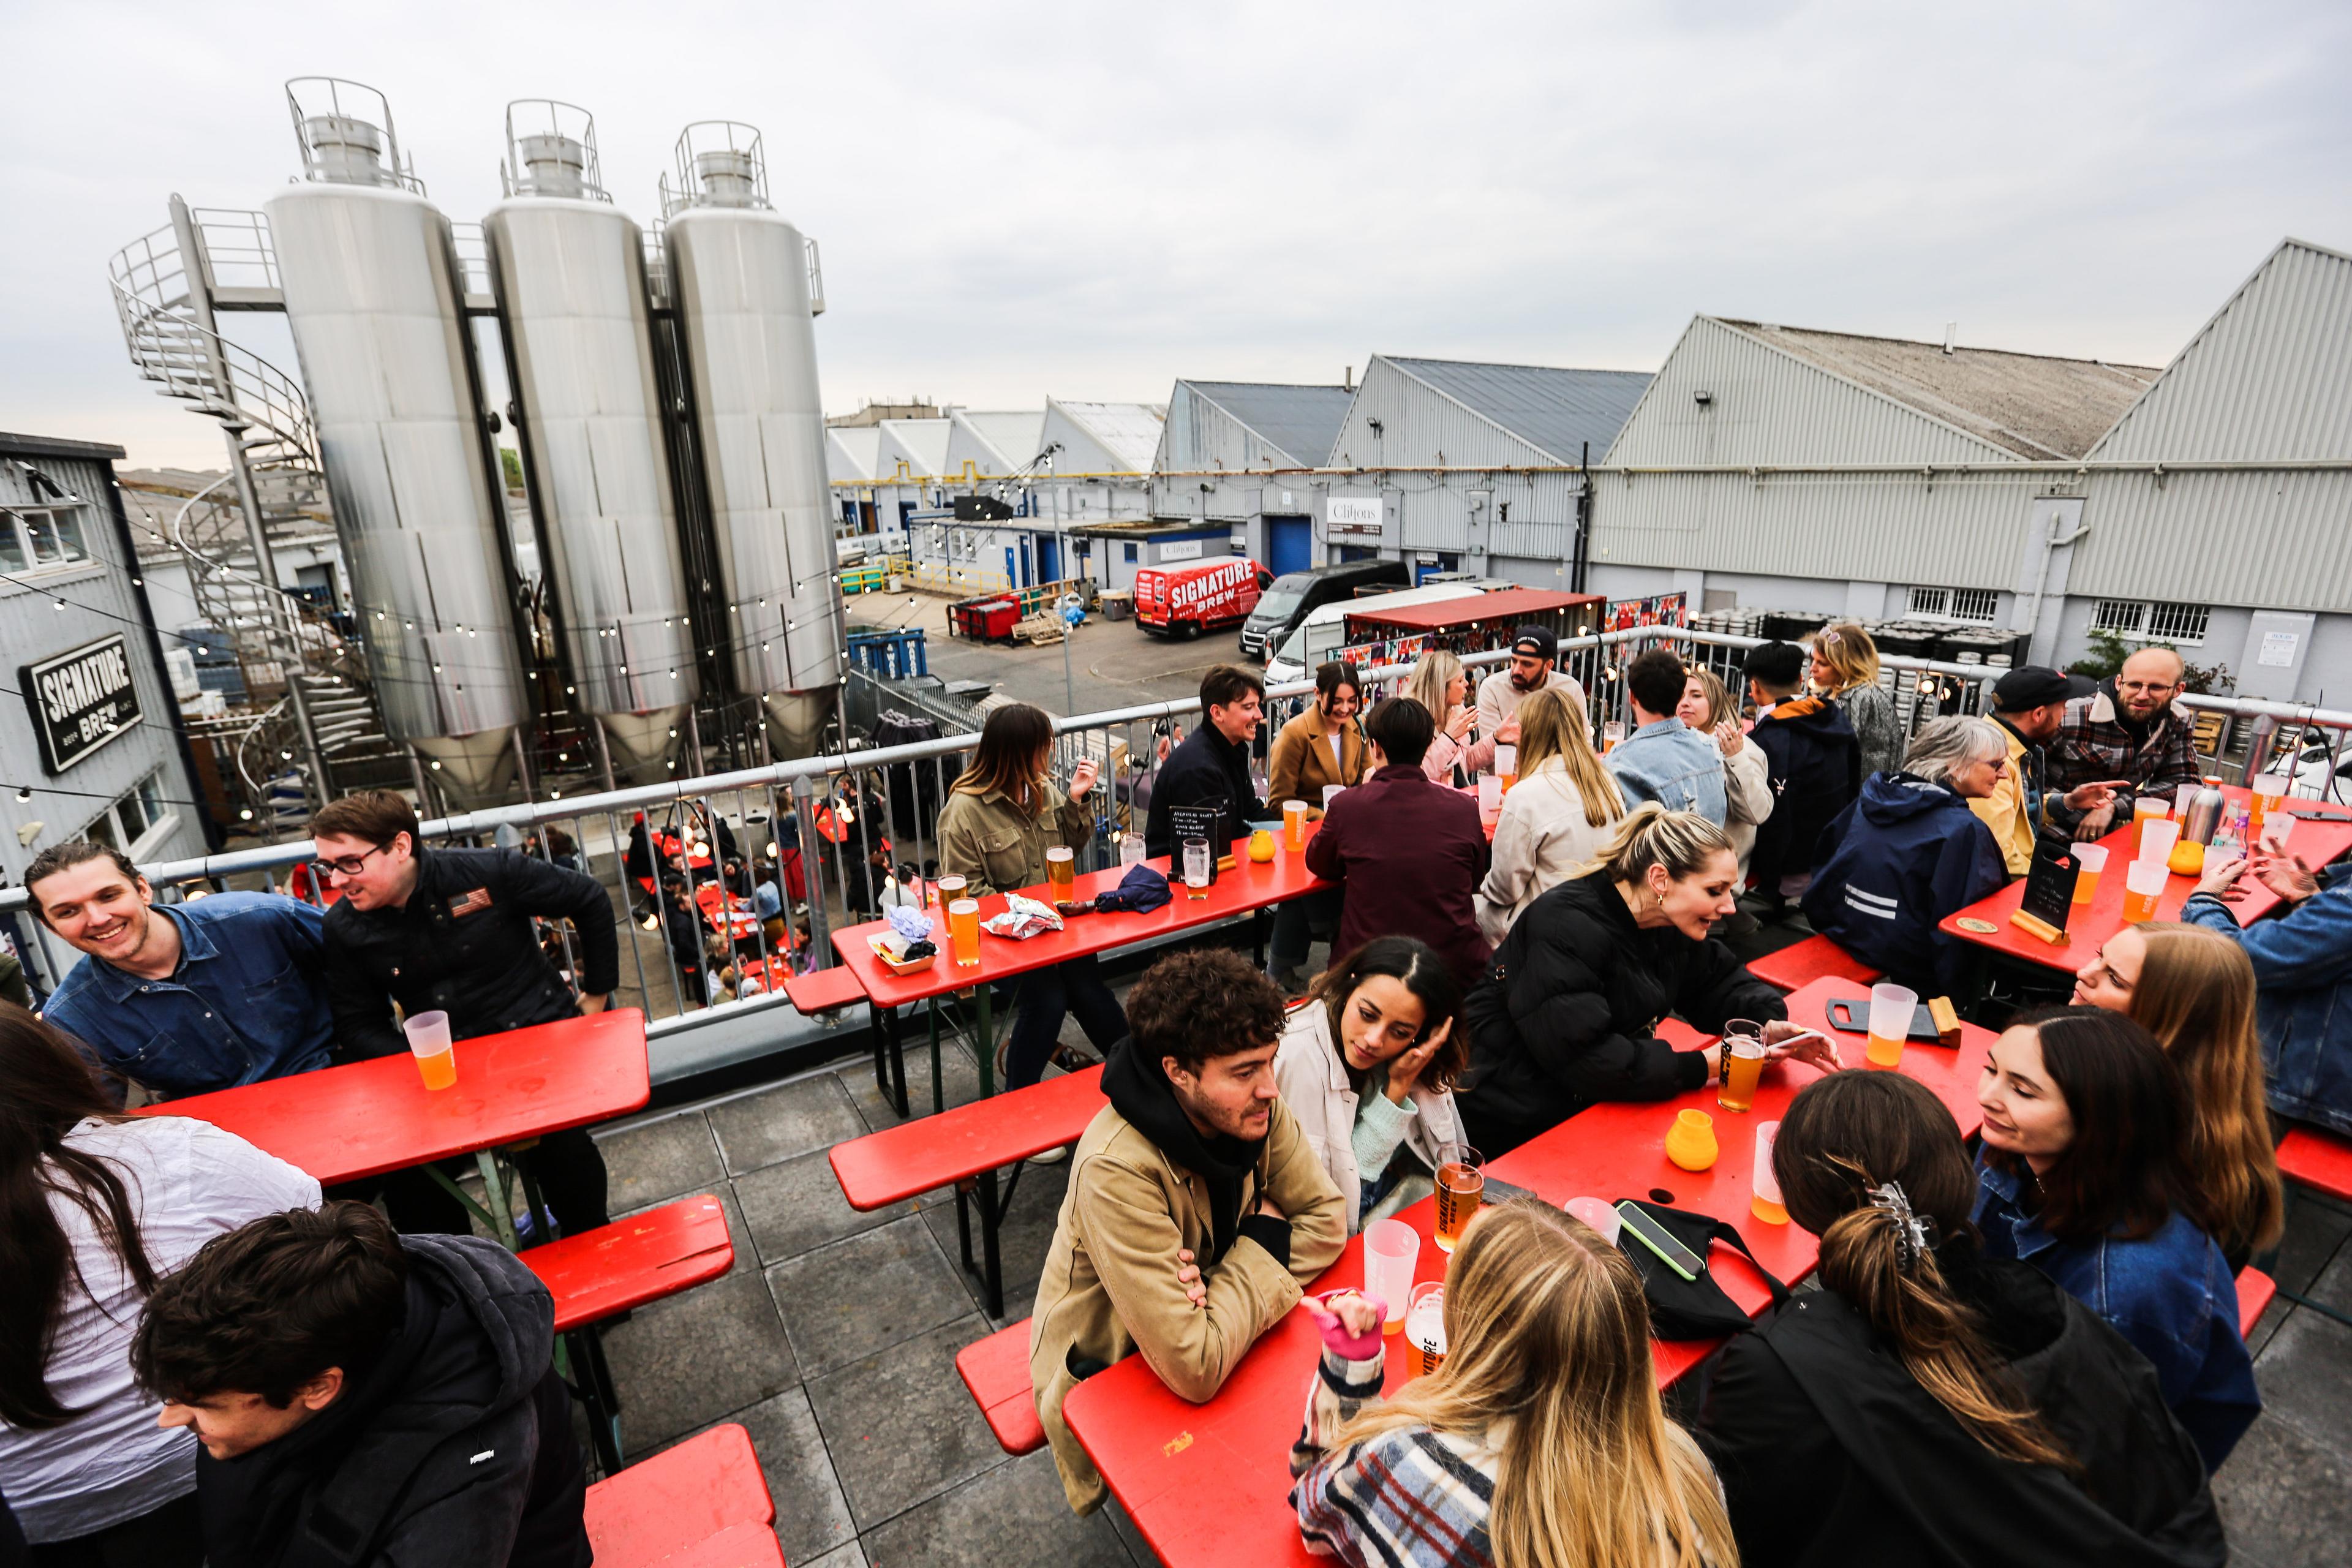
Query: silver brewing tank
(740, 273)
(568, 269)
(373, 296)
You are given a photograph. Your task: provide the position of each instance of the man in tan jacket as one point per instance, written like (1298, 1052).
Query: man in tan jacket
(1196, 1208)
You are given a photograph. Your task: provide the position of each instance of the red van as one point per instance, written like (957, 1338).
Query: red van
(1183, 601)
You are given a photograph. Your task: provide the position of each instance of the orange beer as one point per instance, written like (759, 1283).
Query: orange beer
(2090, 860)
(1460, 1185)
(1425, 1328)
(1061, 872)
(439, 1069)
(1740, 1073)
(963, 932)
(1768, 1210)
(1890, 1022)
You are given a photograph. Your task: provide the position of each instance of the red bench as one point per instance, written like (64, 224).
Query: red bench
(2320, 1161)
(1798, 964)
(737, 1546)
(2255, 1290)
(824, 990)
(996, 1370)
(707, 1491)
(617, 1266)
(964, 1148)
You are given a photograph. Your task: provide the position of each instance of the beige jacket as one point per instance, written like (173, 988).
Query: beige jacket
(1300, 763)
(986, 840)
(1542, 839)
(1110, 1287)
(1315, 1086)
(1747, 792)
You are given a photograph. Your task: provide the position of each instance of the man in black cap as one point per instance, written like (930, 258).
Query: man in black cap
(2030, 704)
(1534, 650)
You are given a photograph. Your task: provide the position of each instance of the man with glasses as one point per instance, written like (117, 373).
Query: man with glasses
(2127, 734)
(450, 930)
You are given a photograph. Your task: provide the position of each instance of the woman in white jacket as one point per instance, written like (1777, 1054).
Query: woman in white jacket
(1706, 707)
(1554, 819)
(1367, 1065)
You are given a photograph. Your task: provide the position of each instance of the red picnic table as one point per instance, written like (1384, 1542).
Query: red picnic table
(727, 914)
(363, 1119)
(2316, 838)
(1162, 1457)
(1249, 886)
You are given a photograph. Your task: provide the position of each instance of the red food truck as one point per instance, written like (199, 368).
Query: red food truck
(1183, 601)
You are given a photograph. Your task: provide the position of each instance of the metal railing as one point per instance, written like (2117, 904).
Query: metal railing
(855, 830)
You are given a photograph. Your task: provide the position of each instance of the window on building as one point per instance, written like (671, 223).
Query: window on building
(2141, 621)
(1980, 605)
(1930, 601)
(34, 537)
(2122, 617)
(1130, 551)
(141, 811)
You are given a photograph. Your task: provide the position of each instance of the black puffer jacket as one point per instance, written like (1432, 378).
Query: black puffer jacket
(1569, 1011)
(1206, 770)
(454, 1450)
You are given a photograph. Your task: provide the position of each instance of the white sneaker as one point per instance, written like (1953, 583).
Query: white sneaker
(1051, 1156)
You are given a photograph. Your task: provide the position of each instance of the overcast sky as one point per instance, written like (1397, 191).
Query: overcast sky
(1090, 201)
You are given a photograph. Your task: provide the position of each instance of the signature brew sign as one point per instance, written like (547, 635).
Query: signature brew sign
(80, 701)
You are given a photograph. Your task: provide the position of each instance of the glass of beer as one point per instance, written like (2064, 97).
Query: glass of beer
(1743, 1063)
(1294, 825)
(1130, 850)
(1424, 1327)
(1196, 868)
(1391, 1249)
(2144, 809)
(2144, 883)
(949, 888)
(1766, 1205)
(1461, 1181)
(1507, 767)
(1891, 1007)
(2090, 860)
(1613, 732)
(1061, 871)
(963, 932)
(428, 1041)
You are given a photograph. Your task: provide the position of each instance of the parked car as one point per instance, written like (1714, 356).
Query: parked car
(1297, 595)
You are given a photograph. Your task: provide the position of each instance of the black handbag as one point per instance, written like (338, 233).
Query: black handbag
(1696, 1308)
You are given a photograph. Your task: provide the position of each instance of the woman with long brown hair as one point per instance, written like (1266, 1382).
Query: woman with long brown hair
(95, 1207)
(2193, 989)
(1539, 1443)
(1003, 813)
(1927, 1403)
(1554, 819)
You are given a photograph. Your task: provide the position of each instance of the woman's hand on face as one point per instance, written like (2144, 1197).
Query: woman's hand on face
(1405, 1069)
(1727, 738)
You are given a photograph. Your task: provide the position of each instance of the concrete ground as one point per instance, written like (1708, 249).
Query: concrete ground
(834, 1342)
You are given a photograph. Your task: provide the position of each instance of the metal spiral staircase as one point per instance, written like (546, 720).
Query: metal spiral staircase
(308, 685)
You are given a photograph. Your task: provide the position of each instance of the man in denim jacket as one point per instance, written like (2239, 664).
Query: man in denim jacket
(182, 998)
(1665, 760)
(2303, 972)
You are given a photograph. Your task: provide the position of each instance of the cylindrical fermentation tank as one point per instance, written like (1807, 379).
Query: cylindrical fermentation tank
(568, 269)
(373, 296)
(739, 274)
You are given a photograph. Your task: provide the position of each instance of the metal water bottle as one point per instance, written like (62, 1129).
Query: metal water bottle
(2203, 816)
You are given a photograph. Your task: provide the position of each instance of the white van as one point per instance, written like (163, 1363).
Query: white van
(1323, 633)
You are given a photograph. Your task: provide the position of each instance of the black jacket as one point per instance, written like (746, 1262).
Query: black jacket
(1569, 1011)
(1814, 765)
(453, 1450)
(483, 967)
(1206, 770)
(1831, 1454)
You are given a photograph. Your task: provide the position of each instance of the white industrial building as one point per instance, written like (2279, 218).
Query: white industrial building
(1237, 453)
(991, 443)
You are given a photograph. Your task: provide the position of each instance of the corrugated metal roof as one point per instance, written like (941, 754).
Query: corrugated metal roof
(1128, 432)
(1557, 410)
(2270, 376)
(2036, 406)
(1011, 434)
(923, 443)
(1300, 422)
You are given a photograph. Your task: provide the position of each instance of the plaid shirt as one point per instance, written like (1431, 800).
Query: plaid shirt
(2092, 747)
(1410, 1496)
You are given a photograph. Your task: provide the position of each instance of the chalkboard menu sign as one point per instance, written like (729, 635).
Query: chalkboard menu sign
(1196, 822)
(2049, 893)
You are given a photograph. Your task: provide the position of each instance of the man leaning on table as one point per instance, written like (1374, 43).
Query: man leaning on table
(2129, 734)
(450, 930)
(2030, 705)
(1196, 1208)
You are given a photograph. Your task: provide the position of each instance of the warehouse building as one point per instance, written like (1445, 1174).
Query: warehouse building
(1237, 453)
(986, 443)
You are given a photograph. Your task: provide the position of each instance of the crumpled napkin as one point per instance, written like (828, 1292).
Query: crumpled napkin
(1023, 918)
(910, 924)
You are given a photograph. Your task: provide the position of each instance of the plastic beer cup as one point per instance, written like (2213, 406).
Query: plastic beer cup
(428, 1041)
(1425, 1328)
(1490, 795)
(2144, 808)
(2090, 860)
(1391, 1249)
(2276, 828)
(1330, 794)
(1196, 868)
(1766, 1205)
(1461, 1181)
(1294, 823)
(1061, 871)
(963, 932)
(2158, 834)
(2267, 789)
(1891, 1007)
(1613, 732)
(1507, 767)
(1130, 850)
(1743, 1063)
(1596, 1213)
(2144, 883)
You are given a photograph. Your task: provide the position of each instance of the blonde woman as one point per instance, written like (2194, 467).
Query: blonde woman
(2193, 989)
(1706, 707)
(1845, 669)
(1567, 1013)
(1439, 684)
(1555, 817)
(1540, 1442)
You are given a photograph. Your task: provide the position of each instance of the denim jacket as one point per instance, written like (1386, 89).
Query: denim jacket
(1673, 764)
(247, 1002)
(2171, 1294)
(2303, 968)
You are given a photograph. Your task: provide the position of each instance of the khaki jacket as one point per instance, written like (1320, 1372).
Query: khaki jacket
(1110, 1287)
(985, 838)
(1300, 763)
